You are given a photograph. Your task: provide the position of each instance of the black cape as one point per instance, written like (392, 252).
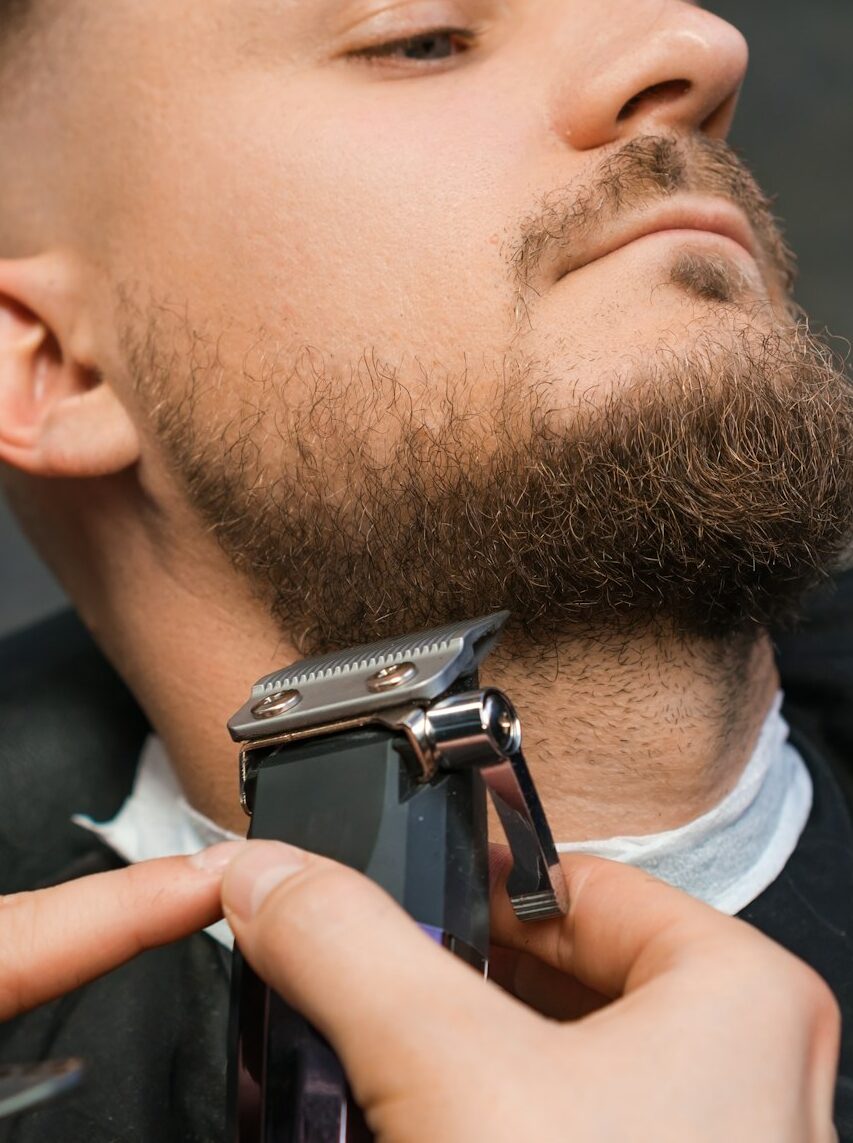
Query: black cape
(153, 1032)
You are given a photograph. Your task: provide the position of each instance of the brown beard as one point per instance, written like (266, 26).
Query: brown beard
(702, 498)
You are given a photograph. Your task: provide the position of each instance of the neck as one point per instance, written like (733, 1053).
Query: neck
(625, 739)
(642, 736)
(624, 743)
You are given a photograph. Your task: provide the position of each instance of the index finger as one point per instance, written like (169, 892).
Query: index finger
(53, 940)
(623, 926)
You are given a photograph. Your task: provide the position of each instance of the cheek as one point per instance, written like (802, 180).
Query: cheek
(400, 209)
(348, 221)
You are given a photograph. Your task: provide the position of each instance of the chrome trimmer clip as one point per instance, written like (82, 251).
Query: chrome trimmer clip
(425, 687)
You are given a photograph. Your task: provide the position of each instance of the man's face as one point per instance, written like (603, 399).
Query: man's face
(326, 233)
(362, 177)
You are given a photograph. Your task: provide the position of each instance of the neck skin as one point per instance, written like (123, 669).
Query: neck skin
(641, 737)
(630, 739)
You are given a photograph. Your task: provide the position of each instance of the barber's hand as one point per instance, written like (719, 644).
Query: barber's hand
(53, 940)
(712, 1033)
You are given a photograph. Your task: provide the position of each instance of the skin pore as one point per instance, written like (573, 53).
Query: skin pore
(407, 229)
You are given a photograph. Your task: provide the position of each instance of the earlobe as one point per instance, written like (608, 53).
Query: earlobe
(58, 417)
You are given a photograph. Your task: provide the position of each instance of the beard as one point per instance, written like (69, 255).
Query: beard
(701, 498)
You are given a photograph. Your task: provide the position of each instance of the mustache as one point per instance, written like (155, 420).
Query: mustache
(644, 171)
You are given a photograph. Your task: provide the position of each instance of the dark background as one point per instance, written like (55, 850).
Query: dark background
(795, 126)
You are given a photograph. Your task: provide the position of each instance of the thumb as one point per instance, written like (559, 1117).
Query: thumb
(339, 949)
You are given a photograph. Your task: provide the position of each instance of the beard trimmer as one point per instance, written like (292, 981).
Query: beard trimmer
(379, 757)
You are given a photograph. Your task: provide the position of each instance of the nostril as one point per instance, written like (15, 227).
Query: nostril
(658, 93)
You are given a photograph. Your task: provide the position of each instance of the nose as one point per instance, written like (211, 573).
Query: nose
(665, 66)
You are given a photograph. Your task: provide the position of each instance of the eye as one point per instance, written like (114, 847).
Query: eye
(434, 46)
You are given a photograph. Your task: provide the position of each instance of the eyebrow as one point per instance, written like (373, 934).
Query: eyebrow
(363, 9)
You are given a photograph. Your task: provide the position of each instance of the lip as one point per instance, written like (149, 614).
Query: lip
(709, 217)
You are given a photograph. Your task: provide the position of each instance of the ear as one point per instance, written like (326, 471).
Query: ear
(58, 416)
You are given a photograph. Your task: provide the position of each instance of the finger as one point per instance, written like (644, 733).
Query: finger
(53, 940)
(335, 946)
(623, 926)
(547, 990)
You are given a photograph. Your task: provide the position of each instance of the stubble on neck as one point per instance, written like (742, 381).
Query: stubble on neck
(638, 736)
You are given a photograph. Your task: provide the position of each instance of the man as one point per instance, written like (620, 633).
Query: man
(321, 322)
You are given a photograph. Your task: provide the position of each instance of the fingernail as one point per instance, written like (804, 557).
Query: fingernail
(216, 857)
(263, 866)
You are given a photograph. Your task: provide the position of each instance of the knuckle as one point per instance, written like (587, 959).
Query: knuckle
(810, 989)
(821, 1001)
(133, 898)
(811, 999)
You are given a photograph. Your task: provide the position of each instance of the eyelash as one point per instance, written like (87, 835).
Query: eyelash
(374, 54)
